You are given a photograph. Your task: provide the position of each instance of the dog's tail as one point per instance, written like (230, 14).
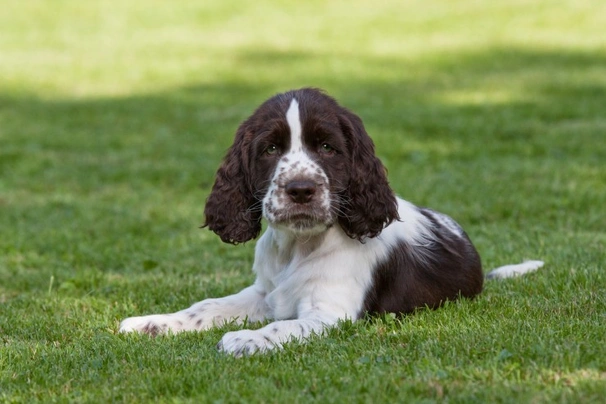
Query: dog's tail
(510, 271)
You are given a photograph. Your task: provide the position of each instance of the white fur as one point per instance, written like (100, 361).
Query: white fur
(294, 124)
(448, 223)
(510, 271)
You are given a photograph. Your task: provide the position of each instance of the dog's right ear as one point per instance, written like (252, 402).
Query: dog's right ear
(229, 208)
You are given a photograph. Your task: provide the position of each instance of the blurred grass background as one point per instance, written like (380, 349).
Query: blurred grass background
(115, 115)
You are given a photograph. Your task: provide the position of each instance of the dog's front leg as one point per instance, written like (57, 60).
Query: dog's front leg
(248, 305)
(272, 336)
(313, 319)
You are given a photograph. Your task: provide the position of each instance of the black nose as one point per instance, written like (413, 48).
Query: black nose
(301, 191)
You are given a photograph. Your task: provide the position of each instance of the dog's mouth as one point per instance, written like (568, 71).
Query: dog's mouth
(303, 220)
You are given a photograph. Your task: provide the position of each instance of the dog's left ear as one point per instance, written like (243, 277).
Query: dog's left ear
(229, 208)
(369, 204)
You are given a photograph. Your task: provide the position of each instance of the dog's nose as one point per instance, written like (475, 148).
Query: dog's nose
(301, 191)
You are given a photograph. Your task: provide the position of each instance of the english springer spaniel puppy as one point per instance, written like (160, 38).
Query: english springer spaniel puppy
(339, 244)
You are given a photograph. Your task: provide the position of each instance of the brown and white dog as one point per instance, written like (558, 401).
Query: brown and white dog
(339, 243)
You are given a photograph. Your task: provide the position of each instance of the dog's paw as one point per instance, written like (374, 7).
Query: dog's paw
(151, 325)
(246, 342)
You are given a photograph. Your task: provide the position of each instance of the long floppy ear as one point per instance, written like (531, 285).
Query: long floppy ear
(369, 204)
(229, 208)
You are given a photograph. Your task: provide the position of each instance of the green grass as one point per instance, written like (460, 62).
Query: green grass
(114, 116)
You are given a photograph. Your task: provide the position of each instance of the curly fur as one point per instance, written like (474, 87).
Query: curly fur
(371, 204)
(229, 208)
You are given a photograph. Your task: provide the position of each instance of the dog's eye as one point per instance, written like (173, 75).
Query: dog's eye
(271, 149)
(325, 148)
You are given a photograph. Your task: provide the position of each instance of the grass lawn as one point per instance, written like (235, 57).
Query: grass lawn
(114, 116)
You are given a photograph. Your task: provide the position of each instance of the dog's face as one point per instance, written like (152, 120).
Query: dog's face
(307, 162)
(304, 163)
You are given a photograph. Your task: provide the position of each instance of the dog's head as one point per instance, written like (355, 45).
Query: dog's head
(304, 163)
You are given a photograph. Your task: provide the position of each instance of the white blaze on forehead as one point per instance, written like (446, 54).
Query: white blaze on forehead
(294, 123)
(296, 163)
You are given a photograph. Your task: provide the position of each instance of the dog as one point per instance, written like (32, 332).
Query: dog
(339, 244)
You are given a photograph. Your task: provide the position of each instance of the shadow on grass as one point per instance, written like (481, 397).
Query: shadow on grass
(512, 121)
(493, 100)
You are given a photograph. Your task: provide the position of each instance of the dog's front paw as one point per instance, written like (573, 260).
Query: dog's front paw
(246, 342)
(151, 325)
